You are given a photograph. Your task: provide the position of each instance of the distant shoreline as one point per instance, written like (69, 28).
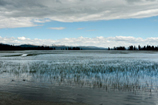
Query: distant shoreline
(7, 47)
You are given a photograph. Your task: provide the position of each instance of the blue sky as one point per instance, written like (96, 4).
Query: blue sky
(144, 27)
(79, 22)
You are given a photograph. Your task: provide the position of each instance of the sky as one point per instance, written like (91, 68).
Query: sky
(101, 23)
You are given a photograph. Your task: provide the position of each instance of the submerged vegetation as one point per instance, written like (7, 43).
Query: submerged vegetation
(112, 74)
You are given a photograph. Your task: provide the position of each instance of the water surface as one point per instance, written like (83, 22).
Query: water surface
(80, 77)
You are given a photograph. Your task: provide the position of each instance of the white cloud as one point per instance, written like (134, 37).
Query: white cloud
(41, 20)
(57, 28)
(15, 22)
(23, 38)
(26, 13)
(84, 41)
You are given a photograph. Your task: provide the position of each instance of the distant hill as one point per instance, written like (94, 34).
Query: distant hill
(92, 48)
(81, 47)
(54, 47)
(28, 45)
(7, 47)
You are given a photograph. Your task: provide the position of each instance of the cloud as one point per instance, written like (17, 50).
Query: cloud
(16, 22)
(57, 28)
(41, 20)
(84, 41)
(23, 38)
(28, 13)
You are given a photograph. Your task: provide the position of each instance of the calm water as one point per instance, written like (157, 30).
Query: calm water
(90, 77)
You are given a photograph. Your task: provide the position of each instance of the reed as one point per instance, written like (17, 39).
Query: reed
(108, 74)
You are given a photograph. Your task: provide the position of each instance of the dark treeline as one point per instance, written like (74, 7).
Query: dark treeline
(71, 48)
(120, 48)
(12, 47)
(32, 47)
(148, 47)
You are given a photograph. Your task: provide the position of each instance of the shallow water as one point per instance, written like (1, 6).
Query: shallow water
(85, 77)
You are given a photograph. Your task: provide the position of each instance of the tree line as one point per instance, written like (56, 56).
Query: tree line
(12, 47)
(148, 47)
(32, 47)
(71, 48)
(6, 47)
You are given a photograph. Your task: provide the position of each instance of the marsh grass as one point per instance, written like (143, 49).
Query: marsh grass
(112, 74)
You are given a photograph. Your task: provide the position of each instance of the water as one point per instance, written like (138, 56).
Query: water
(79, 77)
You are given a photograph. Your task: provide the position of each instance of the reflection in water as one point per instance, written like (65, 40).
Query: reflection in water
(81, 79)
(67, 94)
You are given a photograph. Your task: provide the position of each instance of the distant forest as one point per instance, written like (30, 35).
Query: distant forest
(148, 47)
(5, 47)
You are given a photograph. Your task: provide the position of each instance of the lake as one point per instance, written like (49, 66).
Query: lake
(85, 77)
